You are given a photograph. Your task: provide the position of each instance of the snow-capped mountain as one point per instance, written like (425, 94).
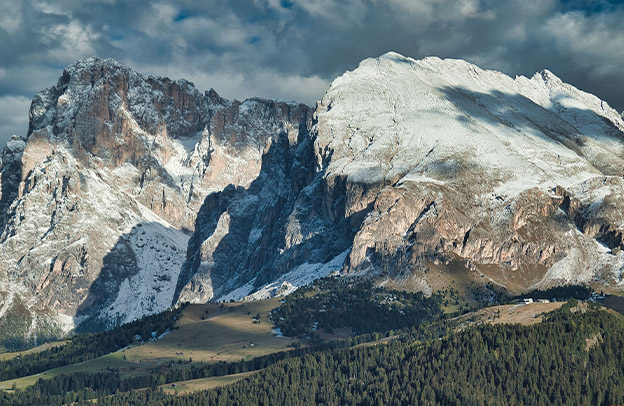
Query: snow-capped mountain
(428, 173)
(132, 193)
(517, 181)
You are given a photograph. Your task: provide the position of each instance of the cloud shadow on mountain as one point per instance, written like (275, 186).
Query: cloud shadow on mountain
(518, 112)
(10, 178)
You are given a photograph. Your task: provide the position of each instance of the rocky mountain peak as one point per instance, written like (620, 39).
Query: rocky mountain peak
(547, 76)
(99, 200)
(105, 109)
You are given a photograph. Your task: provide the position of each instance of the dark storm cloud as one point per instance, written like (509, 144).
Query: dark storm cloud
(293, 49)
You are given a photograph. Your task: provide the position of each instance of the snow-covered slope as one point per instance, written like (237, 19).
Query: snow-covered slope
(393, 117)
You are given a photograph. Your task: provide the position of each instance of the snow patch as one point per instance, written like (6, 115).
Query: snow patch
(65, 323)
(289, 282)
(160, 251)
(238, 293)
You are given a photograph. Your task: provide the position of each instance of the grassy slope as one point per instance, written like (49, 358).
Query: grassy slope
(194, 385)
(207, 333)
(220, 337)
(113, 360)
(10, 355)
(519, 313)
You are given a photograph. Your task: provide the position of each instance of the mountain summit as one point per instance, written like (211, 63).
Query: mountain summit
(132, 193)
(513, 181)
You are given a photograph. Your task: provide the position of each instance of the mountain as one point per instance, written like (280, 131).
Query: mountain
(98, 202)
(427, 174)
(130, 194)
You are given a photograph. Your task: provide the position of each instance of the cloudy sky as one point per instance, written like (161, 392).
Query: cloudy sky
(293, 49)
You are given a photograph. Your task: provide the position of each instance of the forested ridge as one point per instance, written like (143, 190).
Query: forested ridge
(572, 358)
(72, 387)
(332, 303)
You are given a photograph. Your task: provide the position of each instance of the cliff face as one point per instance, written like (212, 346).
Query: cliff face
(182, 144)
(270, 232)
(429, 174)
(98, 202)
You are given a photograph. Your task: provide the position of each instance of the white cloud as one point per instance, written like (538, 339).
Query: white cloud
(157, 19)
(306, 89)
(241, 84)
(596, 42)
(11, 18)
(423, 9)
(494, 58)
(342, 12)
(75, 40)
(433, 11)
